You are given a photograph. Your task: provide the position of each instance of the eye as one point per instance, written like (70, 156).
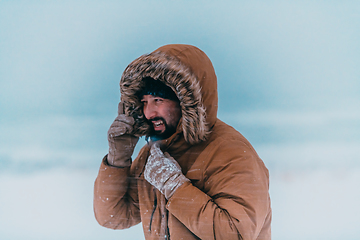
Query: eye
(158, 100)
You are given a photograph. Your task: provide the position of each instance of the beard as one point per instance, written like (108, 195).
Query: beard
(160, 135)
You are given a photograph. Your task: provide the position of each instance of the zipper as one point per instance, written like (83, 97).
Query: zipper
(153, 211)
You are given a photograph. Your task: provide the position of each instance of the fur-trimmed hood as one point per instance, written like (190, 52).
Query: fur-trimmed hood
(189, 73)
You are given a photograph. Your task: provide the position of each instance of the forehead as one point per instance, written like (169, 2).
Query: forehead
(149, 97)
(166, 102)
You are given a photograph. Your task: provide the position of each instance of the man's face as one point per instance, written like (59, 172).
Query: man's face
(163, 115)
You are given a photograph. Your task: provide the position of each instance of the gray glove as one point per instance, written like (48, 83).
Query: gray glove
(163, 172)
(121, 140)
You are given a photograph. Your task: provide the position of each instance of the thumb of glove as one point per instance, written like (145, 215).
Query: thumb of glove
(121, 108)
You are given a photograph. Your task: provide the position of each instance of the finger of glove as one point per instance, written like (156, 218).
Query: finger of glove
(156, 173)
(156, 151)
(171, 160)
(172, 163)
(121, 108)
(164, 158)
(120, 127)
(154, 163)
(149, 170)
(123, 145)
(126, 119)
(119, 130)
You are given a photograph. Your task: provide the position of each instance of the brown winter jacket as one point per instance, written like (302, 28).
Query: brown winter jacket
(227, 197)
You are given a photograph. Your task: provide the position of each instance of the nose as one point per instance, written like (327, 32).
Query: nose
(149, 110)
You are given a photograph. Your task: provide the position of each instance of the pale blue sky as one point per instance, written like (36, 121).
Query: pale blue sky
(288, 79)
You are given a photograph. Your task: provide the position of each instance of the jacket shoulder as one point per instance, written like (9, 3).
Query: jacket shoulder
(229, 150)
(224, 134)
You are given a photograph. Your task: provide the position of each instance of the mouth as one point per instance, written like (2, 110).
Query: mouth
(159, 129)
(158, 124)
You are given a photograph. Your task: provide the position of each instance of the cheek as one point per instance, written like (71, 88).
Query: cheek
(144, 112)
(175, 116)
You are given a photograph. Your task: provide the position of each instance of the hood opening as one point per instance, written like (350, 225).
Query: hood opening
(188, 81)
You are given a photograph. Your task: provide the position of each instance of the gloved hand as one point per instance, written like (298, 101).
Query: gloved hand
(121, 141)
(163, 172)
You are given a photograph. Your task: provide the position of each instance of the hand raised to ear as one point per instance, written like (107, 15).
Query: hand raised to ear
(121, 140)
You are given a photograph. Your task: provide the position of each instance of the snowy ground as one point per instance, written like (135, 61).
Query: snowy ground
(316, 205)
(54, 204)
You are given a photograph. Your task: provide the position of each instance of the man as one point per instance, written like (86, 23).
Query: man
(197, 177)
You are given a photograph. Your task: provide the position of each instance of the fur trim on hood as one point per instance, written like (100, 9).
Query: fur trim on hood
(189, 73)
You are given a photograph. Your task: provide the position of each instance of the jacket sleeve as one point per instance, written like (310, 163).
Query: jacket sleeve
(233, 202)
(115, 197)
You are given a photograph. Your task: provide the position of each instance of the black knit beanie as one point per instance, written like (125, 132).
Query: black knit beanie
(157, 89)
